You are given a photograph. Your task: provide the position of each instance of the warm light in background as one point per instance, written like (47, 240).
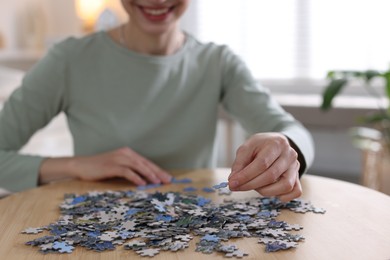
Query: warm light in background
(89, 11)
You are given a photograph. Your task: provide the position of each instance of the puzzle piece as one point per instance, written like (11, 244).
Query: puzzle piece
(318, 210)
(102, 246)
(221, 185)
(148, 187)
(290, 244)
(148, 252)
(32, 230)
(274, 233)
(224, 191)
(295, 227)
(178, 245)
(237, 253)
(197, 212)
(210, 238)
(227, 248)
(190, 189)
(232, 226)
(208, 190)
(206, 247)
(78, 200)
(275, 246)
(209, 230)
(165, 221)
(266, 240)
(184, 238)
(108, 236)
(136, 244)
(63, 247)
(46, 247)
(202, 201)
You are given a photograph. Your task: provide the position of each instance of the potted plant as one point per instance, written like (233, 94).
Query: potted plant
(374, 141)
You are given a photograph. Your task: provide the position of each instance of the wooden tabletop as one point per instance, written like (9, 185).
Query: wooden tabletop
(355, 226)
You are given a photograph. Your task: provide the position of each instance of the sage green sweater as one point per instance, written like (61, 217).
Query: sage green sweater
(163, 107)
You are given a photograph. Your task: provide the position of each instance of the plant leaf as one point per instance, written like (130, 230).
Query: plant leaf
(387, 83)
(374, 118)
(331, 74)
(334, 87)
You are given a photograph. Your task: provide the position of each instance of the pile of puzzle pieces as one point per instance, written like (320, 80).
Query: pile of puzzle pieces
(149, 223)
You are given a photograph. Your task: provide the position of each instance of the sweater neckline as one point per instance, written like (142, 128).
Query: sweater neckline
(155, 58)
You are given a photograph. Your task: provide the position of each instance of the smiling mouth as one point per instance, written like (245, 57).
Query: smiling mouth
(154, 13)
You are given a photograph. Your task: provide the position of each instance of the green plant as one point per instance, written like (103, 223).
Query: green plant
(340, 79)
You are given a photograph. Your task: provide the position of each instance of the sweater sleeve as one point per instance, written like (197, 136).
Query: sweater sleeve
(251, 105)
(29, 108)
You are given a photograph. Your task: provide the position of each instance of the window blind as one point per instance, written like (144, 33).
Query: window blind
(297, 38)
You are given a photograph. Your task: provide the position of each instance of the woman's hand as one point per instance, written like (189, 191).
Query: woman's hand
(267, 163)
(122, 162)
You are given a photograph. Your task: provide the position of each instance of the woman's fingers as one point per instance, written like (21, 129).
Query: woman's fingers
(286, 184)
(131, 176)
(139, 164)
(268, 164)
(264, 170)
(122, 162)
(295, 193)
(244, 156)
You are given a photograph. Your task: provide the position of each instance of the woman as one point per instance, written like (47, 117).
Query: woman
(144, 97)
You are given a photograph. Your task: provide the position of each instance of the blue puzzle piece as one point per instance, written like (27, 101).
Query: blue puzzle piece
(264, 214)
(125, 234)
(221, 185)
(243, 217)
(165, 218)
(210, 238)
(149, 186)
(57, 230)
(203, 201)
(276, 224)
(63, 247)
(102, 246)
(275, 246)
(190, 189)
(94, 233)
(78, 200)
(132, 211)
(208, 189)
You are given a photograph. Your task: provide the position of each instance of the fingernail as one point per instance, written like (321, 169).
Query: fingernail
(234, 184)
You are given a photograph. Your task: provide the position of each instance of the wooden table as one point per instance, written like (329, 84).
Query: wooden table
(355, 226)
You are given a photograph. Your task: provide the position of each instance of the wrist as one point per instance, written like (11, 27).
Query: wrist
(71, 167)
(53, 169)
